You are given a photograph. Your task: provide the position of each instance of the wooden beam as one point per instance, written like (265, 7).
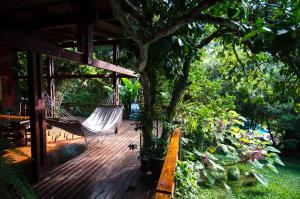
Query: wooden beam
(115, 79)
(12, 5)
(37, 114)
(15, 40)
(96, 43)
(81, 76)
(115, 75)
(85, 40)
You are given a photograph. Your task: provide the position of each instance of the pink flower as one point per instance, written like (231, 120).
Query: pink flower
(205, 159)
(257, 155)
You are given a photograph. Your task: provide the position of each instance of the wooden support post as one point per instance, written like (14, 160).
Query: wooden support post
(37, 114)
(8, 80)
(51, 82)
(116, 79)
(85, 41)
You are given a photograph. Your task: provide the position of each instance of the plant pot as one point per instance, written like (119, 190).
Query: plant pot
(145, 165)
(156, 167)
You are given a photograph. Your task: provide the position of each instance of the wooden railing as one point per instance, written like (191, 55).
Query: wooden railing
(166, 183)
(13, 117)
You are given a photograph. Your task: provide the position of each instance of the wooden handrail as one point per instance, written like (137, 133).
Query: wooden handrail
(166, 183)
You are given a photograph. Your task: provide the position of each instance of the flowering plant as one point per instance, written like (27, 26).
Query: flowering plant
(232, 147)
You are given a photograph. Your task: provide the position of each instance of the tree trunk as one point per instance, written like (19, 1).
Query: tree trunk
(147, 120)
(271, 135)
(176, 95)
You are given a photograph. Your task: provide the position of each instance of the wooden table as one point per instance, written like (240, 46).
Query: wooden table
(14, 122)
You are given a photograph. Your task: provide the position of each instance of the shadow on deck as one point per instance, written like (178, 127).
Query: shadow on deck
(103, 170)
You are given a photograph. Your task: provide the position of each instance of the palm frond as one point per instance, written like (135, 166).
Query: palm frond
(12, 182)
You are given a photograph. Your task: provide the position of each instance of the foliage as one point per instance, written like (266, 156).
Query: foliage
(182, 26)
(129, 90)
(159, 148)
(286, 185)
(218, 163)
(12, 183)
(203, 98)
(265, 91)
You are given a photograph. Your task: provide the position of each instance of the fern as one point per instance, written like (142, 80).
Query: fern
(12, 183)
(230, 194)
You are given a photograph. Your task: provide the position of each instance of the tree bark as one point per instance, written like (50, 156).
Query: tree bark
(271, 135)
(179, 87)
(147, 120)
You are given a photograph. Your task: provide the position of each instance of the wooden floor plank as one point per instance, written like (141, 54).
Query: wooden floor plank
(101, 171)
(83, 168)
(71, 166)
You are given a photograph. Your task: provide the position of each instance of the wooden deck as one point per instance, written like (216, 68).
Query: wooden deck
(103, 170)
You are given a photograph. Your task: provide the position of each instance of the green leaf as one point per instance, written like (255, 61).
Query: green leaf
(227, 188)
(257, 164)
(211, 156)
(217, 166)
(211, 149)
(198, 153)
(249, 35)
(184, 140)
(245, 140)
(180, 42)
(209, 176)
(200, 165)
(261, 179)
(272, 167)
(277, 160)
(224, 148)
(273, 149)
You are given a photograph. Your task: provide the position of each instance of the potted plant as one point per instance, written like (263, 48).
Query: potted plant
(158, 157)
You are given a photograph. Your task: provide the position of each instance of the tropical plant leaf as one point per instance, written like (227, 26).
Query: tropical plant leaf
(261, 179)
(277, 160)
(249, 35)
(273, 149)
(227, 188)
(257, 164)
(209, 176)
(198, 153)
(217, 166)
(272, 167)
(224, 148)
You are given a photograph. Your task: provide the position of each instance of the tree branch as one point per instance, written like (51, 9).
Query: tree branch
(175, 25)
(238, 59)
(217, 21)
(214, 35)
(181, 84)
(123, 18)
(135, 10)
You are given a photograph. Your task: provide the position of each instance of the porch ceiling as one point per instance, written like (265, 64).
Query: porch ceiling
(56, 20)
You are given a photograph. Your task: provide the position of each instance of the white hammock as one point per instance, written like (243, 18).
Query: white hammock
(104, 118)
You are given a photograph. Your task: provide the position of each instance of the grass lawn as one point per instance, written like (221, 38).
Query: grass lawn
(284, 185)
